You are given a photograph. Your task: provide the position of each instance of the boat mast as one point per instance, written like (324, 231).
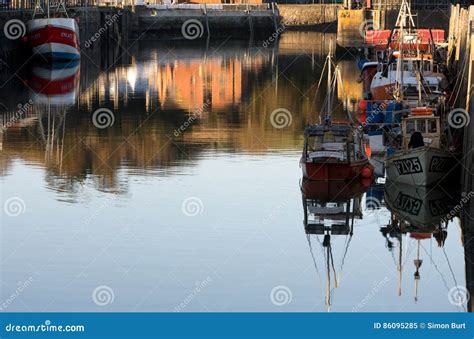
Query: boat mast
(329, 85)
(400, 268)
(417, 263)
(401, 25)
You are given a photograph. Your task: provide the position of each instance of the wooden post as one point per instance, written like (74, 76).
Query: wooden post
(467, 223)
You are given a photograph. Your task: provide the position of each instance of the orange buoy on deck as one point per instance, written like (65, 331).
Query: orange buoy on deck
(422, 111)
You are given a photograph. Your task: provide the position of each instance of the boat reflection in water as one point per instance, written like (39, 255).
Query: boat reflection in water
(419, 213)
(330, 208)
(55, 88)
(55, 84)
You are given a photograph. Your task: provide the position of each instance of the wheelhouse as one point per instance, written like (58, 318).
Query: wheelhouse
(427, 125)
(341, 143)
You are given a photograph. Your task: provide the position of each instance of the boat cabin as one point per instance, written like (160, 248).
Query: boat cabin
(412, 64)
(427, 125)
(341, 143)
(331, 217)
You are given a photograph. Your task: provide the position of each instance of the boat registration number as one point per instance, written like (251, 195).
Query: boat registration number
(440, 164)
(408, 166)
(438, 207)
(408, 204)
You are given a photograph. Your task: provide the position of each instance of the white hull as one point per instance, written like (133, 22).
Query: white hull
(54, 38)
(422, 207)
(383, 87)
(422, 166)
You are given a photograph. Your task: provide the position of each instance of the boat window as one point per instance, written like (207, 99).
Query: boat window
(317, 143)
(329, 137)
(432, 126)
(410, 127)
(407, 66)
(421, 125)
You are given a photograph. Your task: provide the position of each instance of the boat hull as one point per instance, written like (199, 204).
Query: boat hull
(424, 166)
(333, 191)
(54, 38)
(325, 170)
(55, 83)
(383, 87)
(423, 208)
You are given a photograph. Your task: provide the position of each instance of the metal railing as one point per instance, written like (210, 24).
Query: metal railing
(25, 5)
(414, 4)
(220, 7)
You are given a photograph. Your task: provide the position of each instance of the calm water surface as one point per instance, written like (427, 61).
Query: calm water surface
(191, 200)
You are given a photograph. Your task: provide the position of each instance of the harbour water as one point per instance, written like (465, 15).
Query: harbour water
(187, 198)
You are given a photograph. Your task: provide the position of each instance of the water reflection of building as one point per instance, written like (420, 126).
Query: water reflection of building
(185, 82)
(155, 91)
(352, 90)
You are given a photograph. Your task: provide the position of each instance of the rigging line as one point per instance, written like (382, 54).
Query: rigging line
(408, 252)
(450, 267)
(345, 253)
(464, 68)
(336, 283)
(308, 237)
(328, 285)
(319, 83)
(459, 80)
(436, 267)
